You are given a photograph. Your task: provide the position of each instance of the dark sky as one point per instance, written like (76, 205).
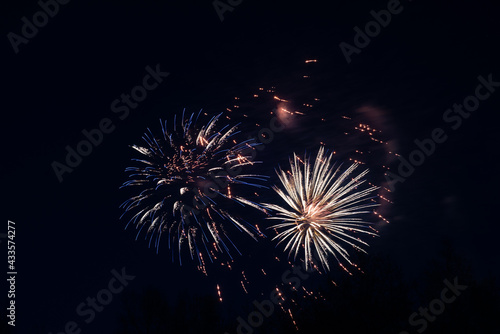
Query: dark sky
(64, 79)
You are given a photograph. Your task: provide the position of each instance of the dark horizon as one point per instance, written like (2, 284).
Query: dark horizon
(79, 70)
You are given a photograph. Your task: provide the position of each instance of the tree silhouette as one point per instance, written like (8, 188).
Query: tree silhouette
(150, 313)
(377, 300)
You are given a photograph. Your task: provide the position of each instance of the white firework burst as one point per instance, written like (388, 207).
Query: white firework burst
(324, 209)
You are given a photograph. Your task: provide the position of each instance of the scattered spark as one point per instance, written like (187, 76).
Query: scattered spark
(324, 210)
(176, 190)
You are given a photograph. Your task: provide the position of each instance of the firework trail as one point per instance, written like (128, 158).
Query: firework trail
(324, 209)
(186, 180)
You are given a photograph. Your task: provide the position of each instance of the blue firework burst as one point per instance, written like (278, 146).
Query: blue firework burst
(185, 186)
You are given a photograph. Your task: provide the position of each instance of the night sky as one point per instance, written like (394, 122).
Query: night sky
(65, 78)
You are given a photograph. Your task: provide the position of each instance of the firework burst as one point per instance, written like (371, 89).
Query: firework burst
(324, 209)
(184, 186)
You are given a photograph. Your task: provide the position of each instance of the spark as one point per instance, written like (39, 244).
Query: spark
(244, 288)
(324, 209)
(293, 320)
(185, 187)
(219, 293)
(279, 99)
